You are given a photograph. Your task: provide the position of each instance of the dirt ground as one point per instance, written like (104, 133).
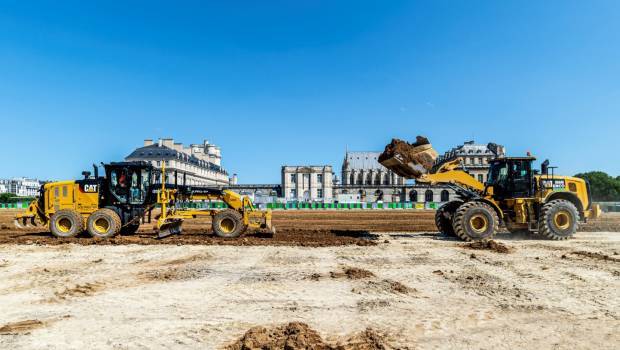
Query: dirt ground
(305, 228)
(372, 290)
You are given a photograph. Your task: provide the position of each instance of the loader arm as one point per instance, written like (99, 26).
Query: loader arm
(456, 177)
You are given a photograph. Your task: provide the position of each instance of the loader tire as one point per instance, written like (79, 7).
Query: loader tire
(228, 224)
(559, 220)
(443, 218)
(67, 223)
(104, 223)
(475, 221)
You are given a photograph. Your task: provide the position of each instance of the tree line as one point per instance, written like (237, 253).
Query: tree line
(604, 188)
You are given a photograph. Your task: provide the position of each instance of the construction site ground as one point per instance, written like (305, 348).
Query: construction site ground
(359, 279)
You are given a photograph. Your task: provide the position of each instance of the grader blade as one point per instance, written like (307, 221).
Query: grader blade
(20, 223)
(25, 222)
(169, 228)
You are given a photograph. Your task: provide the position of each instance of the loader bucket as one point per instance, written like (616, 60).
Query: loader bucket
(169, 227)
(409, 160)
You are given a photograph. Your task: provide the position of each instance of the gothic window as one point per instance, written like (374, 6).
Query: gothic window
(413, 196)
(445, 196)
(360, 179)
(369, 179)
(428, 196)
(352, 179)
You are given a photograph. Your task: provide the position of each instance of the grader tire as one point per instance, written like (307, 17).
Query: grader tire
(228, 224)
(475, 221)
(443, 218)
(67, 223)
(559, 220)
(104, 223)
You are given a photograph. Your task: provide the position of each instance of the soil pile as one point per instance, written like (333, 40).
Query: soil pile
(597, 256)
(21, 327)
(303, 238)
(490, 245)
(410, 160)
(291, 336)
(296, 335)
(353, 273)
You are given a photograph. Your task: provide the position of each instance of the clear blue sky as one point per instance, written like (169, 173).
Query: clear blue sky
(296, 82)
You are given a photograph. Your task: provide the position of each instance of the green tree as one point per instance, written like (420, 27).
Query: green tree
(7, 198)
(604, 187)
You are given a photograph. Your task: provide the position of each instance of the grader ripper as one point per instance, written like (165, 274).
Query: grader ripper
(514, 195)
(118, 202)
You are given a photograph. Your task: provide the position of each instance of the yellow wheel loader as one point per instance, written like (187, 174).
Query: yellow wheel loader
(515, 195)
(125, 196)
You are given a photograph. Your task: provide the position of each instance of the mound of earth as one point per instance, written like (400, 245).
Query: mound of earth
(353, 273)
(296, 335)
(490, 245)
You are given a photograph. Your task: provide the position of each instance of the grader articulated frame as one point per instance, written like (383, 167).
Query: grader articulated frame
(118, 202)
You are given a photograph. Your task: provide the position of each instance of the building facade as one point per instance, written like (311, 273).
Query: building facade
(196, 164)
(474, 158)
(364, 179)
(307, 183)
(363, 168)
(21, 187)
(4, 186)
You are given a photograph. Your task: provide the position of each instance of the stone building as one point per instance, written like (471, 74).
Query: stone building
(363, 168)
(4, 186)
(21, 187)
(364, 179)
(196, 164)
(474, 158)
(307, 183)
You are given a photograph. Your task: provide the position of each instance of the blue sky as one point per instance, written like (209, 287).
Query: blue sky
(297, 82)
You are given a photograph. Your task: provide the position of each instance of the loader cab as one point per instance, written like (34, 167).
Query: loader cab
(511, 177)
(128, 182)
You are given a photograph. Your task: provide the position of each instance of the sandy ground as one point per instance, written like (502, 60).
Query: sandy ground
(419, 291)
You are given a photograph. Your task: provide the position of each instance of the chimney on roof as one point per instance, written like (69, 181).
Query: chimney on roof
(169, 142)
(148, 142)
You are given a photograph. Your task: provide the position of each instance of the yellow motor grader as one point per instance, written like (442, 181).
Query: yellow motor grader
(514, 195)
(126, 195)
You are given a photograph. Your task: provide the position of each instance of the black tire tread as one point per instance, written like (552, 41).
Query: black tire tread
(75, 217)
(543, 221)
(116, 222)
(233, 214)
(444, 226)
(459, 230)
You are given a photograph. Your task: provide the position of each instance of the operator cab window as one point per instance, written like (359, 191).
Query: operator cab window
(119, 183)
(137, 195)
(521, 178)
